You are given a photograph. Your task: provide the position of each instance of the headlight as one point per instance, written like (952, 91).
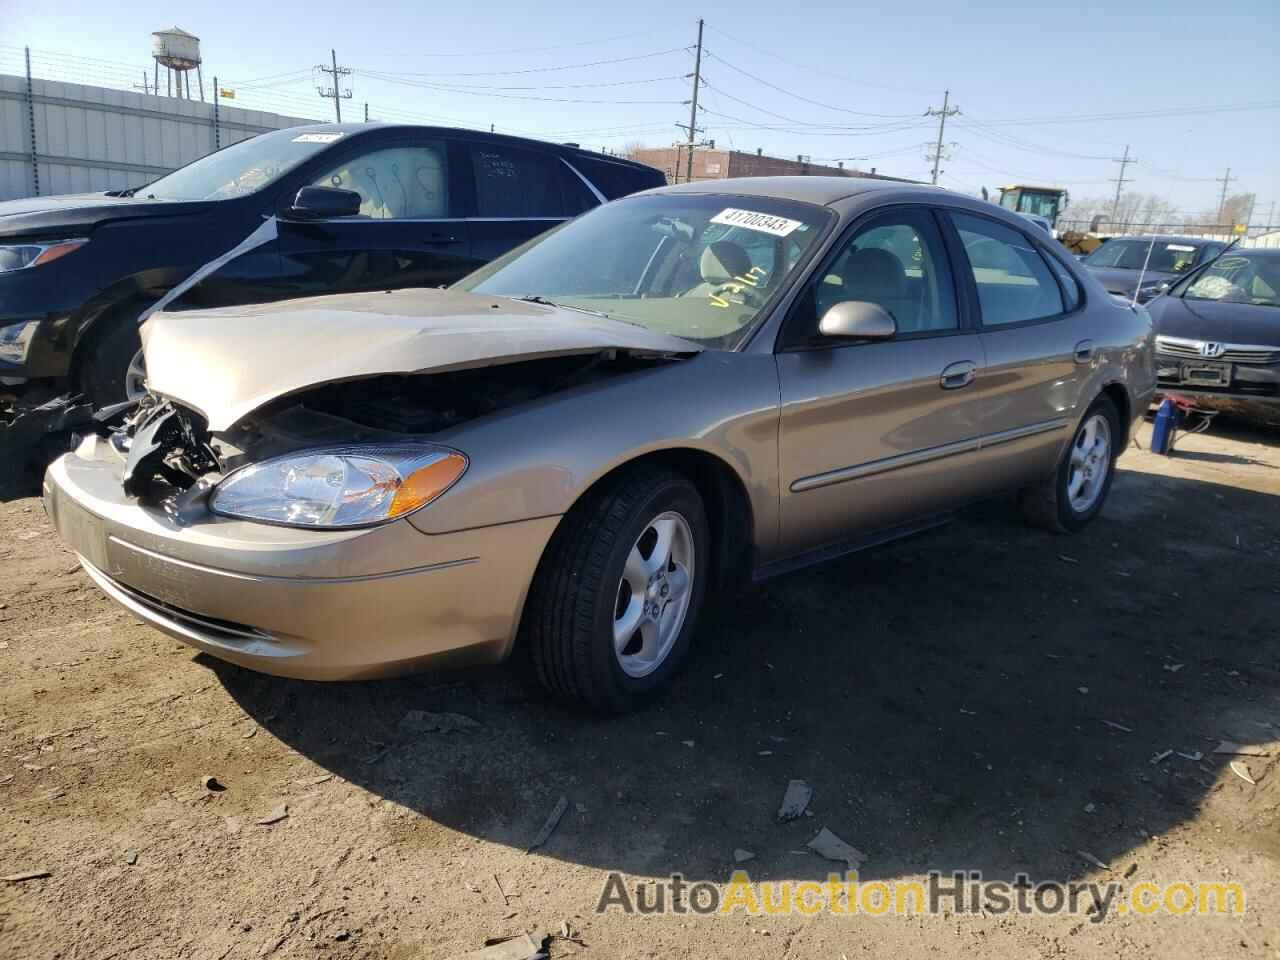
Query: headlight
(14, 340)
(354, 486)
(20, 256)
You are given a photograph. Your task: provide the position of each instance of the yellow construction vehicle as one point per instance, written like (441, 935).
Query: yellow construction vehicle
(1046, 202)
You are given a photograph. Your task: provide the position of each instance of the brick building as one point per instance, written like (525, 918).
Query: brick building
(712, 164)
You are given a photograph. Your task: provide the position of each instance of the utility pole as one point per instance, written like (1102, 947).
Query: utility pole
(1121, 180)
(217, 128)
(942, 126)
(693, 108)
(335, 92)
(1271, 215)
(1225, 180)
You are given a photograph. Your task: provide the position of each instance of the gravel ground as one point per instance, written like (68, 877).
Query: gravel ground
(984, 697)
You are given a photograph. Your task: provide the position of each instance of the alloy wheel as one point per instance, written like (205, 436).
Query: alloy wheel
(135, 378)
(1090, 463)
(654, 594)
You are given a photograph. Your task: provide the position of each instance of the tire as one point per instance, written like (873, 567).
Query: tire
(106, 356)
(1074, 493)
(583, 598)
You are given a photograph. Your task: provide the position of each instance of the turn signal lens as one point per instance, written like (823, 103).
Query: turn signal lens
(56, 250)
(426, 483)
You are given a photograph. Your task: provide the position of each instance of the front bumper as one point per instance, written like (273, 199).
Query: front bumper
(318, 605)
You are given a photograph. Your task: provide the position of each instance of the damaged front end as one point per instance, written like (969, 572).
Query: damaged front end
(170, 454)
(165, 447)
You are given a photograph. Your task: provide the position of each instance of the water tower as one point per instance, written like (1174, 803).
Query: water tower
(179, 53)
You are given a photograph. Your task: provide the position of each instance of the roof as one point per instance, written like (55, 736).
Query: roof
(574, 149)
(819, 190)
(1163, 238)
(1029, 186)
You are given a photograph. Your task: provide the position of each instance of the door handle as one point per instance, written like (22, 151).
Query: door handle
(441, 239)
(959, 374)
(1084, 351)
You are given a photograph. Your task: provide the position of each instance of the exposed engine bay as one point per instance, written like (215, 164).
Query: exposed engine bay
(168, 447)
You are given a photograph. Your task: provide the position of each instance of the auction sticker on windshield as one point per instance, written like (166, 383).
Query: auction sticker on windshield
(317, 138)
(752, 220)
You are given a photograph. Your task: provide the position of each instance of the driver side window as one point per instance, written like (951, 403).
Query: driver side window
(897, 262)
(396, 183)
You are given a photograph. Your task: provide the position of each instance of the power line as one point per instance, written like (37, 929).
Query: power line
(508, 73)
(810, 68)
(789, 93)
(558, 46)
(389, 78)
(449, 88)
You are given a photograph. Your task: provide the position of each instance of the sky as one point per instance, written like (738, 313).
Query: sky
(1048, 93)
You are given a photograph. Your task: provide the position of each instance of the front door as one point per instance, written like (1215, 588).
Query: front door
(875, 434)
(408, 233)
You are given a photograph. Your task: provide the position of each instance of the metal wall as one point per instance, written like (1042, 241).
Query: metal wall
(94, 138)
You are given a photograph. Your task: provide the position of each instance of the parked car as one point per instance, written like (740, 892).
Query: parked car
(1218, 334)
(1157, 260)
(426, 206)
(573, 447)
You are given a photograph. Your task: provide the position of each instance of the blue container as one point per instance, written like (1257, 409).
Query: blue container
(1166, 426)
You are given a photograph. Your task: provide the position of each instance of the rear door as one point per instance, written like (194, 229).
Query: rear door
(1038, 354)
(875, 434)
(410, 231)
(517, 193)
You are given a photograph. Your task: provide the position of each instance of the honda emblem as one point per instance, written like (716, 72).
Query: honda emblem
(1211, 349)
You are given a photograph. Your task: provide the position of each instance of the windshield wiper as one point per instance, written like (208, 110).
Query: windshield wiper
(543, 301)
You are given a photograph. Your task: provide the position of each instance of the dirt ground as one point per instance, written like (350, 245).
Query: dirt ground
(984, 697)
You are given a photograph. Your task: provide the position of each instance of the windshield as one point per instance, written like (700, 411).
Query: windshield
(1240, 277)
(699, 267)
(1167, 256)
(240, 168)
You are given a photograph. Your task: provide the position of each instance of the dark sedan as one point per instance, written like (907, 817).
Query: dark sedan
(1218, 333)
(354, 206)
(1148, 264)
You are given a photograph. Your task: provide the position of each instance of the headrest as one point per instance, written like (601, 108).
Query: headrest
(722, 261)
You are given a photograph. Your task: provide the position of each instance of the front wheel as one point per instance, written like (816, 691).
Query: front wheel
(1074, 494)
(616, 598)
(112, 369)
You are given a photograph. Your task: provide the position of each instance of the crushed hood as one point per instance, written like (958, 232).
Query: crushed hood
(226, 363)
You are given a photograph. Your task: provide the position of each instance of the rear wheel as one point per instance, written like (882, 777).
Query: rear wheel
(616, 599)
(1074, 494)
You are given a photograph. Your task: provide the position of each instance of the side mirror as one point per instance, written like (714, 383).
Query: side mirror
(325, 203)
(858, 320)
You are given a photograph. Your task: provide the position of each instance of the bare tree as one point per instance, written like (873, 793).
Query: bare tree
(1236, 209)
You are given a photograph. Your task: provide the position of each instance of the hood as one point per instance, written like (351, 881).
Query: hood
(1243, 323)
(226, 363)
(83, 211)
(1124, 281)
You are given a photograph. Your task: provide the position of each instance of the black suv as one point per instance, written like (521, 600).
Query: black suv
(357, 207)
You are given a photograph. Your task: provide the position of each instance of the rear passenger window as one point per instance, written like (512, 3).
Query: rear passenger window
(520, 183)
(1070, 286)
(1014, 283)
